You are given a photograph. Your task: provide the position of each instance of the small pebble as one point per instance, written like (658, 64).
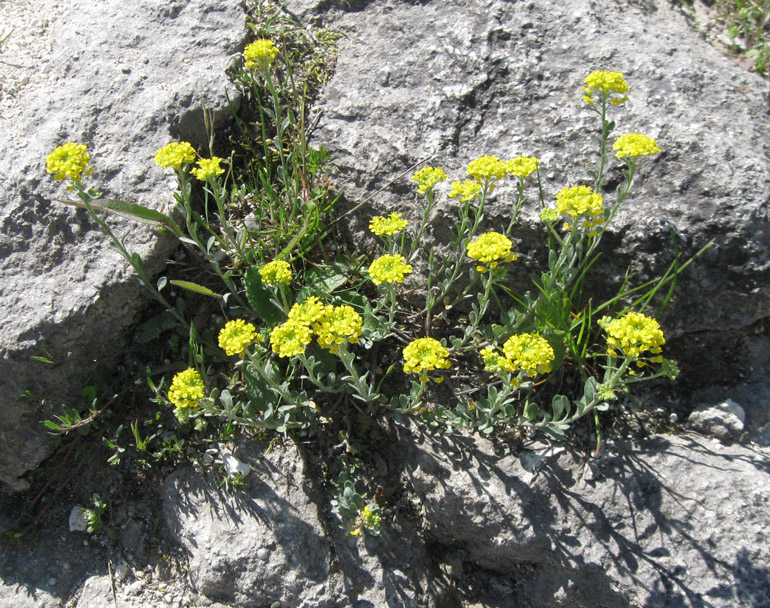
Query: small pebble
(234, 466)
(263, 554)
(122, 570)
(77, 519)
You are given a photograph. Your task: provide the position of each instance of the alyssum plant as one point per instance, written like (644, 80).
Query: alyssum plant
(300, 346)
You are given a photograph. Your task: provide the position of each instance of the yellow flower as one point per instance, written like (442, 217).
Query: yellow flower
(236, 335)
(339, 324)
(389, 269)
(465, 191)
(580, 202)
(606, 84)
(387, 226)
(529, 353)
(491, 248)
(175, 155)
(495, 362)
(635, 144)
(308, 312)
(208, 168)
(486, 167)
(634, 333)
(260, 52)
(276, 272)
(521, 166)
(371, 519)
(549, 216)
(186, 388)
(423, 355)
(290, 338)
(427, 177)
(68, 161)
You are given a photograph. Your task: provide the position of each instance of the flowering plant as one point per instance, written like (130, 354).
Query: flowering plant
(321, 340)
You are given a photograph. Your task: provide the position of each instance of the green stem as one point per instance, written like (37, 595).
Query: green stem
(463, 236)
(479, 311)
(358, 382)
(413, 251)
(133, 259)
(415, 395)
(313, 376)
(603, 142)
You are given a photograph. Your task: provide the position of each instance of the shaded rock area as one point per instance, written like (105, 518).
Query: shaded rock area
(667, 521)
(277, 542)
(124, 79)
(663, 521)
(723, 420)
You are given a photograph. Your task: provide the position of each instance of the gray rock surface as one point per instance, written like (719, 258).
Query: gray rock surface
(762, 435)
(125, 79)
(264, 546)
(723, 420)
(668, 521)
(274, 542)
(104, 590)
(450, 80)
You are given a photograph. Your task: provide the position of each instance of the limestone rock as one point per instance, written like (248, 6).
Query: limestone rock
(78, 521)
(271, 543)
(104, 590)
(265, 545)
(667, 521)
(723, 421)
(125, 79)
(762, 435)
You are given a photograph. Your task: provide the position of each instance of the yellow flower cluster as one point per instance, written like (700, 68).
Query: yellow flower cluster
(633, 333)
(276, 272)
(290, 338)
(337, 325)
(261, 52)
(549, 216)
(606, 84)
(175, 155)
(68, 161)
(487, 167)
(465, 191)
(389, 269)
(387, 226)
(236, 335)
(491, 168)
(635, 144)
(490, 249)
(495, 362)
(521, 166)
(423, 355)
(582, 202)
(208, 168)
(370, 518)
(332, 325)
(186, 388)
(308, 312)
(529, 353)
(427, 177)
